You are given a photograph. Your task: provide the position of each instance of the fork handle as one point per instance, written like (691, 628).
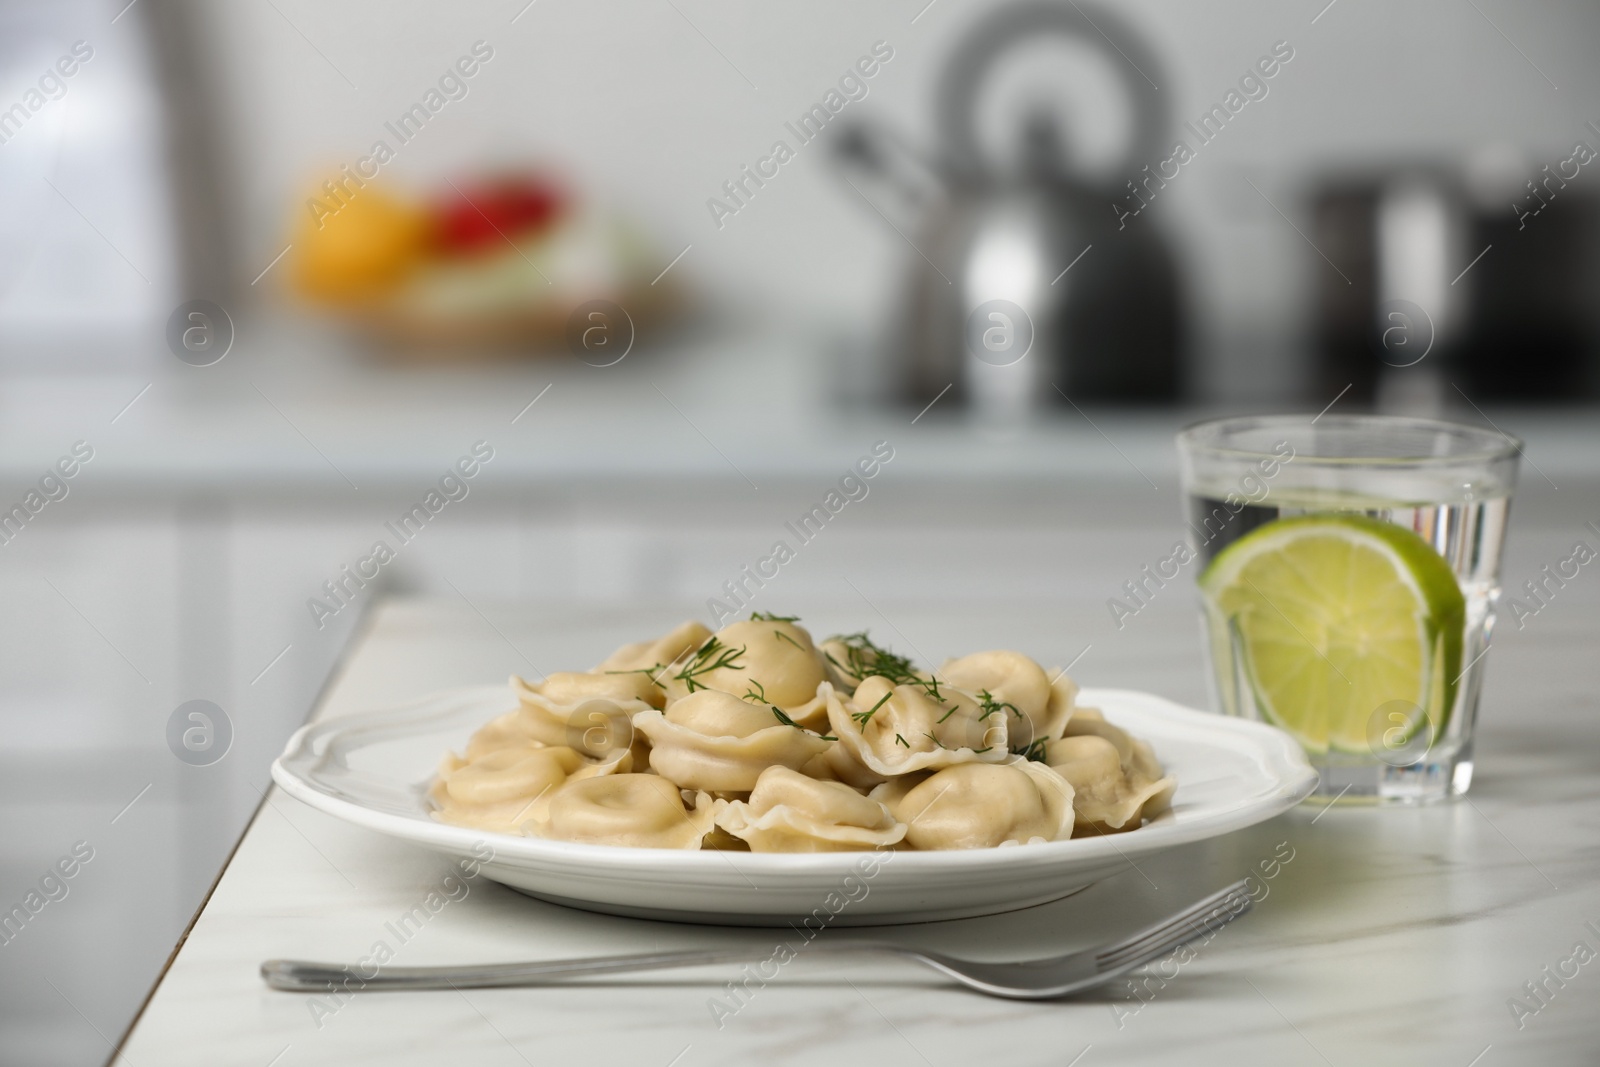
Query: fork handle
(306, 976)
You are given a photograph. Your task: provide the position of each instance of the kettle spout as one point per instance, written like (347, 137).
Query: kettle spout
(896, 181)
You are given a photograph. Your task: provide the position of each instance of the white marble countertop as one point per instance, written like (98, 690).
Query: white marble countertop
(1392, 936)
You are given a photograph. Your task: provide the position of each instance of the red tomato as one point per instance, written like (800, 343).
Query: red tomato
(488, 212)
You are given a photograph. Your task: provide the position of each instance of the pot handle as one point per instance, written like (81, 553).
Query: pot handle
(964, 75)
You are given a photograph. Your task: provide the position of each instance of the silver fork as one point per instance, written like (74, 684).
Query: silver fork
(1024, 980)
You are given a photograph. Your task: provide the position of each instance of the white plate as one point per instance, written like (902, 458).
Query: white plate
(372, 770)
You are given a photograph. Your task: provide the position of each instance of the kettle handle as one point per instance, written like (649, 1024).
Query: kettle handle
(963, 75)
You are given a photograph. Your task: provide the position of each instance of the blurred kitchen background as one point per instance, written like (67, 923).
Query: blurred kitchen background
(581, 250)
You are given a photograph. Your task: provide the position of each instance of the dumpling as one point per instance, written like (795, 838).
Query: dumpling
(1012, 681)
(574, 687)
(768, 660)
(646, 655)
(1062, 704)
(510, 730)
(838, 764)
(895, 729)
(755, 738)
(1093, 721)
(592, 713)
(1142, 776)
(981, 805)
(1136, 755)
(1146, 766)
(639, 810)
(549, 714)
(714, 741)
(502, 789)
(788, 812)
(1107, 798)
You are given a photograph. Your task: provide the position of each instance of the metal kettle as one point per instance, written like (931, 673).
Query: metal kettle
(1027, 289)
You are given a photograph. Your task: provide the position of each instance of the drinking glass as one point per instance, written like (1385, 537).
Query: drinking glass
(1349, 571)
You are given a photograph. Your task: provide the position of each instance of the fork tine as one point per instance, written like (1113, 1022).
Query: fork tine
(1203, 904)
(1155, 950)
(1186, 927)
(1195, 917)
(1186, 924)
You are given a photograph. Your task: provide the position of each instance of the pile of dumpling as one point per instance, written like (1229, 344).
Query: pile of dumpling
(756, 738)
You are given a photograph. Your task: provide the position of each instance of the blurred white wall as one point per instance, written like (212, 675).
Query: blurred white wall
(651, 103)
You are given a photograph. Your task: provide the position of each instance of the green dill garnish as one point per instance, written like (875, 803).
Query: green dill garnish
(781, 636)
(766, 616)
(864, 659)
(785, 720)
(758, 693)
(864, 717)
(711, 656)
(981, 751)
(901, 740)
(947, 714)
(1034, 750)
(990, 705)
(934, 739)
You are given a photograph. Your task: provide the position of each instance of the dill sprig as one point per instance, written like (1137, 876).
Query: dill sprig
(864, 659)
(781, 717)
(901, 740)
(651, 673)
(989, 705)
(1034, 750)
(711, 656)
(781, 636)
(767, 616)
(864, 717)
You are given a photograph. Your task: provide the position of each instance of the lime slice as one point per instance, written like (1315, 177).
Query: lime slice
(1334, 617)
